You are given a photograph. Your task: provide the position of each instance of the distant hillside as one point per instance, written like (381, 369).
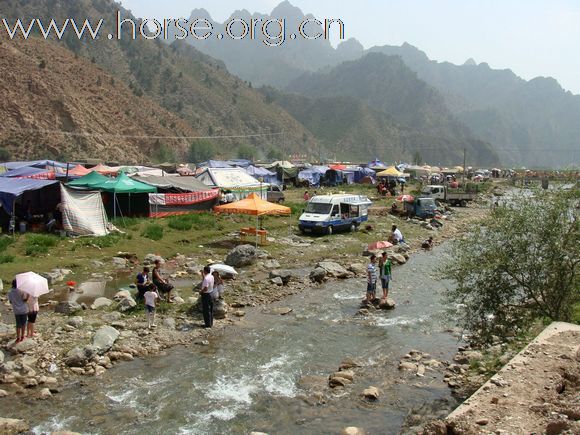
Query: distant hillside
(533, 123)
(414, 112)
(353, 130)
(44, 87)
(276, 66)
(184, 81)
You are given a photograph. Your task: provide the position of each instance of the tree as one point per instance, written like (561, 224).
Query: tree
(200, 150)
(275, 154)
(417, 159)
(518, 266)
(4, 155)
(247, 152)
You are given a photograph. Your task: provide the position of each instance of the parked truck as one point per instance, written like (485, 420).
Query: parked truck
(423, 208)
(454, 197)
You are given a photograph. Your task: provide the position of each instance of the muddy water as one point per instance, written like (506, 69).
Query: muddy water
(247, 378)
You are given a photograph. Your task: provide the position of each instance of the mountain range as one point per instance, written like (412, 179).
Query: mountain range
(145, 100)
(532, 123)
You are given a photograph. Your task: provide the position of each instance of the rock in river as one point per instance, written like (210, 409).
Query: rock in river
(352, 431)
(104, 338)
(67, 307)
(371, 393)
(318, 275)
(11, 426)
(240, 256)
(334, 269)
(126, 304)
(101, 303)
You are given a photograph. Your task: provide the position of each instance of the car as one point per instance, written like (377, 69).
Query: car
(275, 194)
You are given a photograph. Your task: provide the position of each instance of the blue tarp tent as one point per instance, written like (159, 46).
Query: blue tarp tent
(42, 164)
(40, 192)
(242, 163)
(377, 164)
(24, 171)
(266, 175)
(313, 175)
(215, 164)
(355, 175)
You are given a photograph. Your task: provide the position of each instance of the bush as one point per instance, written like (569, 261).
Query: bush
(518, 266)
(6, 259)
(180, 223)
(127, 223)
(5, 242)
(153, 232)
(39, 243)
(186, 222)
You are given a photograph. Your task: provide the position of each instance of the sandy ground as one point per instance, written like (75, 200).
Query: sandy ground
(536, 392)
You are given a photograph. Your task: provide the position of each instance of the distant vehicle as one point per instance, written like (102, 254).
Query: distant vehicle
(275, 194)
(423, 208)
(455, 197)
(330, 213)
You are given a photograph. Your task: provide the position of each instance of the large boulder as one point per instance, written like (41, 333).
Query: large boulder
(10, 426)
(67, 307)
(334, 270)
(119, 263)
(126, 304)
(78, 356)
(284, 275)
(24, 346)
(53, 276)
(387, 304)
(220, 309)
(240, 256)
(150, 259)
(101, 303)
(398, 258)
(104, 338)
(122, 294)
(318, 275)
(358, 269)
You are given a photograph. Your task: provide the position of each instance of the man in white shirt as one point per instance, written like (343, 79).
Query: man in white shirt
(397, 235)
(206, 297)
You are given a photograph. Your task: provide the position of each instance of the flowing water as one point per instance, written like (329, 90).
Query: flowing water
(247, 378)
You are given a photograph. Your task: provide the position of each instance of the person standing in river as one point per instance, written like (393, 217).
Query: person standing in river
(207, 297)
(33, 309)
(385, 267)
(18, 300)
(372, 276)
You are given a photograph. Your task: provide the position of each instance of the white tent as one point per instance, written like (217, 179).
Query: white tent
(235, 180)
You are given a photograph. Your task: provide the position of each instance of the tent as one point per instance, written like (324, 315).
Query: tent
(43, 195)
(78, 171)
(83, 212)
(89, 181)
(280, 164)
(133, 200)
(263, 173)
(376, 165)
(338, 167)
(104, 170)
(173, 184)
(235, 180)
(215, 164)
(255, 206)
(391, 172)
(124, 184)
(41, 164)
(30, 172)
(313, 175)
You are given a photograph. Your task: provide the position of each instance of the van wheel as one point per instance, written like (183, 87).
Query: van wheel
(281, 200)
(329, 230)
(463, 203)
(352, 228)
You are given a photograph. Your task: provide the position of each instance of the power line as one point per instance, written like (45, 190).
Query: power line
(125, 136)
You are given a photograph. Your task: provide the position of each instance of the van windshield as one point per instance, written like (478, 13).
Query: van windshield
(318, 208)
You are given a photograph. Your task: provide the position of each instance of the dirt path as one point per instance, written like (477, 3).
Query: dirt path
(536, 392)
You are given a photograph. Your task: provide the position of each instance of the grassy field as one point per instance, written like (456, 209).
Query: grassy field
(202, 235)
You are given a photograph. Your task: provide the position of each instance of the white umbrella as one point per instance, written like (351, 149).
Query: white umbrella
(223, 269)
(32, 284)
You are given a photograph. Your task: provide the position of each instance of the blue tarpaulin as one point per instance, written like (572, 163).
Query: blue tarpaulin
(42, 164)
(11, 189)
(266, 175)
(215, 164)
(355, 175)
(24, 171)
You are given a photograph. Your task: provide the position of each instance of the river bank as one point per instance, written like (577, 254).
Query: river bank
(86, 343)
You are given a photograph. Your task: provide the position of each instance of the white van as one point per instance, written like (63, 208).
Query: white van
(330, 213)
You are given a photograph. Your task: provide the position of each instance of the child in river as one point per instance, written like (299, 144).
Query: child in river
(372, 275)
(218, 286)
(150, 298)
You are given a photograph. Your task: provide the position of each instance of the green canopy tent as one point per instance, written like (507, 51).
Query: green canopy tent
(124, 184)
(90, 181)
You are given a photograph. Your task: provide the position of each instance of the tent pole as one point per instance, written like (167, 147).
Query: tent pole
(257, 229)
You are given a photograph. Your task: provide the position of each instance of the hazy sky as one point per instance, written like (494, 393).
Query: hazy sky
(531, 37)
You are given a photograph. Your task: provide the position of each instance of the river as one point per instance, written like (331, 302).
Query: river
(246, 379)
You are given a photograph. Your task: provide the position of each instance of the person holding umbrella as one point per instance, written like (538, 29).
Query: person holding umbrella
(27, 288)
(18, 300)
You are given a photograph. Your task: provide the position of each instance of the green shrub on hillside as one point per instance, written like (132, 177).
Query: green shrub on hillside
(39, 243)
(153, 232)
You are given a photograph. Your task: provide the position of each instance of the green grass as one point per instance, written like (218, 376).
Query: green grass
(101, 242)
(6, 258)
(127, 223)
(153, 232)
(5, 241)
(37, 244)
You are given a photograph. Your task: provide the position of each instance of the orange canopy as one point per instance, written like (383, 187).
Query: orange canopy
(253, 205)
(338, 167)
(79, 170)
(104, 170)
